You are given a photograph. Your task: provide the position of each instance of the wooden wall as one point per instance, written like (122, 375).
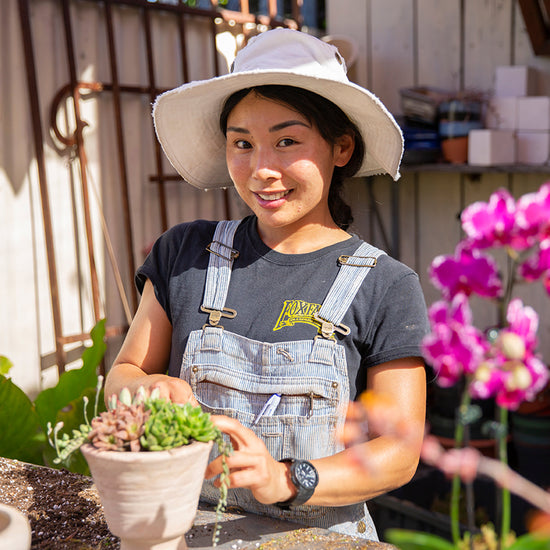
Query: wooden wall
(455, 45)
(446, 43)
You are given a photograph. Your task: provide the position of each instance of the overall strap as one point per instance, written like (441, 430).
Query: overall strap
(222, 255)
(353, 270)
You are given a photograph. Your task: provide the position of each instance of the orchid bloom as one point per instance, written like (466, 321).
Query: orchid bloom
(468, 271)
(533, 215)
(538, 266)
(454, 347)
(512, 371)
(525, 373)
(491, 224)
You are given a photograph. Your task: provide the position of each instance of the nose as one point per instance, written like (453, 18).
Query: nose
(264, 164)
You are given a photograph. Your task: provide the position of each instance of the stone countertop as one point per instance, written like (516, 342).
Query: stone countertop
(65, 513)
(242, 531)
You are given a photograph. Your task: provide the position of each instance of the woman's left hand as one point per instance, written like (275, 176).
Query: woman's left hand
(250, 465)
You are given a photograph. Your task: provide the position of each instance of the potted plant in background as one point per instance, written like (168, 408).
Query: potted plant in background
(457, 117)
(147, 457)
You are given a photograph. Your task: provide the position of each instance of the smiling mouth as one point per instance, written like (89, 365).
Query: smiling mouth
(273, 196)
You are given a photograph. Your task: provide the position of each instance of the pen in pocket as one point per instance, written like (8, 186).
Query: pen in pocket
(269, 408)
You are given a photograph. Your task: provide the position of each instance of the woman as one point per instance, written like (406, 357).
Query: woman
(276, 322)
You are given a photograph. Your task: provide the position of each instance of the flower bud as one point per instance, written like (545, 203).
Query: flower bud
(519, 378)
(483, 373)
(511, 345)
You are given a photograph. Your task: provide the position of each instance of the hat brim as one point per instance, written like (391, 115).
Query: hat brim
(187, 123)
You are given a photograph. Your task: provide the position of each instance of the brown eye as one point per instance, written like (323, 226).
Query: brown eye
(286, 142)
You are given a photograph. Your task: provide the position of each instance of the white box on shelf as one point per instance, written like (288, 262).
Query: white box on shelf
(488, 147)
(502, 113)
(534, 113)
(533, 147)
(514, 81)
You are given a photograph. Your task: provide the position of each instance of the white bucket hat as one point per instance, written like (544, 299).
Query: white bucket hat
(187, 118)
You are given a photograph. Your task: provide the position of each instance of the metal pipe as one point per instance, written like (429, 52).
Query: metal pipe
(30, 66)
(121, 150)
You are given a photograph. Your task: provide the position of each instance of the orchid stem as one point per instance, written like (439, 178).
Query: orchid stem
(455, 491)
(505, 494)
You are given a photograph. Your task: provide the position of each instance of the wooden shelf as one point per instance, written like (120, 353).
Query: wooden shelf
(469, 169)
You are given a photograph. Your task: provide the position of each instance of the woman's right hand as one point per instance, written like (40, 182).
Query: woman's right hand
(173, 389)
(168, 387)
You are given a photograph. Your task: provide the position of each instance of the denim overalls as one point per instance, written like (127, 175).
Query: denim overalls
(236, 376)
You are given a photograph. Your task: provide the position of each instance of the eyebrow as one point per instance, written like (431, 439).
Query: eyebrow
(275, 128)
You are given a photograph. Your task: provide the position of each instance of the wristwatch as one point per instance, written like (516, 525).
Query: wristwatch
(304, 477)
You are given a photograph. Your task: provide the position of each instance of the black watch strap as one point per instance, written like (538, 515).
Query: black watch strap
(304, 477)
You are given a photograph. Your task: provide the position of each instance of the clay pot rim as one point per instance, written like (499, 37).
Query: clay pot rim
(143, 456)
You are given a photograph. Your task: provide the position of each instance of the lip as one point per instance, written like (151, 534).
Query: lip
(273, 202)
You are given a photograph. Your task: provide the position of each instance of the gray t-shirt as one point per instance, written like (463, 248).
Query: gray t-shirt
(275, 296)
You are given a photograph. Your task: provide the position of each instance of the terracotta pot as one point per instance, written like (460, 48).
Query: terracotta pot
(149, 499)
(455, 150)
(15, 530)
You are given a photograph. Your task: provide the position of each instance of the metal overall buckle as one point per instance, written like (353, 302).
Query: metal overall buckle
(345, 260)
(328, 329)
(216, 315)
(233, 254)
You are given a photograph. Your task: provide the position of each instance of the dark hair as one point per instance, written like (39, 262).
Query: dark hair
(332, 124)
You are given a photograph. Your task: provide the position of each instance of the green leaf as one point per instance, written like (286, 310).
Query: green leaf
(5, 365)
(20, 436)
(73, 383)
(531, 541)
(416, 540)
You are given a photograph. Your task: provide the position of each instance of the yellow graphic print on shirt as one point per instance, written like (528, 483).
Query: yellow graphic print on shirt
(297, 311)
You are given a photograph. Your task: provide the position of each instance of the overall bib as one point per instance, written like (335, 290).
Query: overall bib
(236, 376)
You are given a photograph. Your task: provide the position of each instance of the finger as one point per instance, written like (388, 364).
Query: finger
(235, 461)
(240, 436)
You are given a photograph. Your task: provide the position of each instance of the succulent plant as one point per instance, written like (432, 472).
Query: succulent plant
(170, 425)
(144, 422)
(119, 429)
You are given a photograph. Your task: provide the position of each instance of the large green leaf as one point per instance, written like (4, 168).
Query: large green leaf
(416, 540)
(20, 436)
(531, 541)
(73, 383)
(5, 365)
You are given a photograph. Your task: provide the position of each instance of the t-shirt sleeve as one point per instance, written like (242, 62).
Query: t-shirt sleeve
(175, 251)
(400, 322)
(156, 269)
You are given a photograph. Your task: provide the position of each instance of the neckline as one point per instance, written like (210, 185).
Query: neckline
(280, 258)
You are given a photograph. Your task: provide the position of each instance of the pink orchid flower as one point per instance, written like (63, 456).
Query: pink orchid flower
(538, 265)
(491, 224)
(468, 272)
(512, 372)
(455, 346)
(533, 215)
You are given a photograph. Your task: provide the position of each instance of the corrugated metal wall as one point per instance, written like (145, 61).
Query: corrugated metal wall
(452, 44)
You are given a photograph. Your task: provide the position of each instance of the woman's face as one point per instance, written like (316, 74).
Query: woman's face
(280, 164)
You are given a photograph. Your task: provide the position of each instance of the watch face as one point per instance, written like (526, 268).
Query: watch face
(306, 474)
